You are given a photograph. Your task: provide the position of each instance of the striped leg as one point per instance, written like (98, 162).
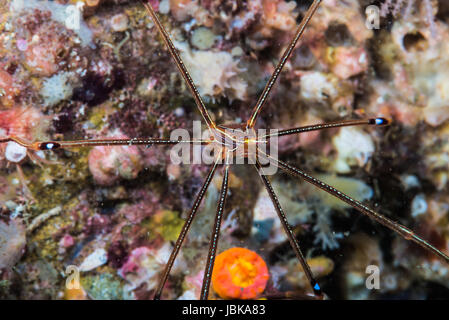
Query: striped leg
(215, 236)
(403, 231)
(288, 230)
(184, 231)
(266, 92)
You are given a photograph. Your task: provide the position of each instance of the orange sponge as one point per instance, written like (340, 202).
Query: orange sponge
(239, 273)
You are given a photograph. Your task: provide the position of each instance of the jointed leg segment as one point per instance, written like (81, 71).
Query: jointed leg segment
(266, 92)
(184, 231)
(400, 229)
(53, 145)
(329, 125)
(215, 236)
(181, 66)
(288, 230)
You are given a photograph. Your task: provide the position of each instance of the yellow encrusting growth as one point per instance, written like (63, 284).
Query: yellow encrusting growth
(242, 272)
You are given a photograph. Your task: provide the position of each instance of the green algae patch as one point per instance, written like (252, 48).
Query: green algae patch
(44, 236)
(166, 223)
(354, 188)
(103, 287)
(58, 183)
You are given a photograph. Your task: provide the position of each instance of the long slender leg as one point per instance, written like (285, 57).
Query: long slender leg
(264, 96)
(400, 229)
(215, 236)
(336, 124)
(53, 145)
(181, 66)
(288, 230)
(184, 231)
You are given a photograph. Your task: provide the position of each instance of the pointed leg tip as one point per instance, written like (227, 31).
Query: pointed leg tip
(157, 297)
(317, 289)
(379, 121)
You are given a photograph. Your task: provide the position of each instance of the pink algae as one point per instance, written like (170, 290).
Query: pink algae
(108, 164)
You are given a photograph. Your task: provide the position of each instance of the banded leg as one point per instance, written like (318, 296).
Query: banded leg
(215, 236)
(184, 231)
(181, 66)
(329, 125)
(403, 231)
(288, 230)
(299, 32)
(53, 145)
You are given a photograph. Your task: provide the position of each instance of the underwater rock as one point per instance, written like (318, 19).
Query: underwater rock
(193, 286)
(420, 73)
(14, 152)
(144, 266)
(25, 123)
(8, 89)
(103, 286)
(95, 259)
(348, 62)
(108, 164)
(215, 73)
(321, 266)
(365, 251)
(419, 205)
(173, 171)
(354, 188)
(12, 242)
(326, 89)
(203, 38)
(354, 148)
(119, 22)
(67, 241)
(57, 88)
(58, 13)
(75, 294)
(266, 223)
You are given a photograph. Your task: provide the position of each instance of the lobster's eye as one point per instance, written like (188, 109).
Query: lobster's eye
(49, 146)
